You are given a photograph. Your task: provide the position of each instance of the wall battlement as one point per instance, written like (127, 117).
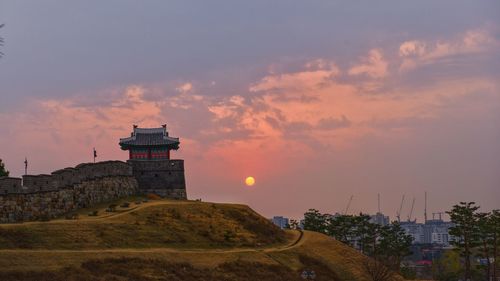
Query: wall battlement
(36, 197)
(164, 177)
(64, 178)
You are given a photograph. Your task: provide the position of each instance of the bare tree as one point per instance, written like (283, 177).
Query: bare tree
(377, 270)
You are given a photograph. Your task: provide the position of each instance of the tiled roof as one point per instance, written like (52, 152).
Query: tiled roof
(150, 137)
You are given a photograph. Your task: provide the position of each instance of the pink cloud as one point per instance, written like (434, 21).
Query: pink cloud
(374, 65)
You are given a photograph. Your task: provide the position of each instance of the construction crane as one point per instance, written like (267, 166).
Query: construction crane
(440, 215)
(398, 213)
(411, 210)
(378, 199)
(425, 207)
(348, 205)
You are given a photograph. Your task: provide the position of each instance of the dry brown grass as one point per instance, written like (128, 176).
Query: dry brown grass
(171, 240)
(152, 269)
(151, 225)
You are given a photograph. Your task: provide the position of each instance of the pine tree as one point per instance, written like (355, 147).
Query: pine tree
(494, 222)
(466, 230)
(341, 228)
(485, 235)
(3, 171)
(394, 245)
(315, 221)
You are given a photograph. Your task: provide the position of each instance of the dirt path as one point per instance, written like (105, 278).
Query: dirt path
(296, 242)
(106, 216)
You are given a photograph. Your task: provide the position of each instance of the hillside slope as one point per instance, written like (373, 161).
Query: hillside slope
(174, 224)
(171, 240)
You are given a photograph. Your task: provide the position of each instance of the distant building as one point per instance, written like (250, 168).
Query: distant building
(415, 230)
(432, 232)
(280, 221)
(379, 219)
(437, 232)
(301, 223)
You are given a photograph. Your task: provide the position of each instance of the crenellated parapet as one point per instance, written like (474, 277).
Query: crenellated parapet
(10, 185)
(64, 178)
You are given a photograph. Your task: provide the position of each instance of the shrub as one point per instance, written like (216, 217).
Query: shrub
(152, 196)
(111, 208)
(125, 205)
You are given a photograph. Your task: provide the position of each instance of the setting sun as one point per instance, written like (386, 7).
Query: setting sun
(249, 181)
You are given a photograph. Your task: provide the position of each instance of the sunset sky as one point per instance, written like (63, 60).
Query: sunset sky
(317, 100)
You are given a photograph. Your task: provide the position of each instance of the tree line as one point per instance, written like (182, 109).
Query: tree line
(476, 235)
(387, 245)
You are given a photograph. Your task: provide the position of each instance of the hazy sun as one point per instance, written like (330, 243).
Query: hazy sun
(249, 181)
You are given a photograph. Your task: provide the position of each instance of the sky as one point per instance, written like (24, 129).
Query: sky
(318, 100)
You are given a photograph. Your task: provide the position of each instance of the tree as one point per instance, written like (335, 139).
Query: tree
(447, 267)
(377, 271)
(315, 221)
(494, 222)
(366, 234)
(394, 245)
(341, 228)
(294, 224)
(465, 218)
(3, 171)
(485, 235)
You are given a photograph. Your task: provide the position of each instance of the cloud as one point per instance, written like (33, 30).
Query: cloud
(418, 52)
(186, 87)
(186, 98)
(318, 74)
(333, 123)
(412, 48)
(373, 66)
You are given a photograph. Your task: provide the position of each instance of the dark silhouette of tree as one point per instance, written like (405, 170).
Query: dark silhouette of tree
(485, 235)
(494, 222)
(394, 245)
(466, 229)
(341, 228)
(366, 234)
(315, 221)
(294, 224)
(387, 245)
(3, 171)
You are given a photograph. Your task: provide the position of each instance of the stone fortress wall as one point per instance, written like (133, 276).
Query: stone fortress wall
(36, 197)
(163, 177)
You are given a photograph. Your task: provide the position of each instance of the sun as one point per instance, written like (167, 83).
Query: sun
(249, 181)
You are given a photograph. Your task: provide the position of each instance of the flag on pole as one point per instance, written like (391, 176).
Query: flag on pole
(25, 165)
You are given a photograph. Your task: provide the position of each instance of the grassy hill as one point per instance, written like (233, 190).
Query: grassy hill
(149, 225)
(171, 240)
